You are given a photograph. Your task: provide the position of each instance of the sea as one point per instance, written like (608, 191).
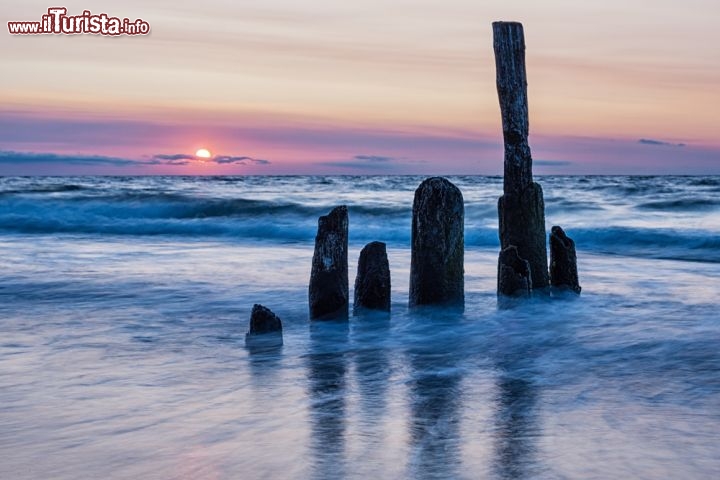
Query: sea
(124, 303)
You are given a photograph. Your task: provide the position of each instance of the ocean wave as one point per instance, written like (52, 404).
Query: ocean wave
(681, 204)
(60, 188)
(380, 210)
(371, 224)
(286, 209)
(141, 227)
(154, 205)
(695, 245)
(565, 205)
(705, 182)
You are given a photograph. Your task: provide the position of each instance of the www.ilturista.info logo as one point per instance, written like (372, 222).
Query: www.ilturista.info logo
(57, 21)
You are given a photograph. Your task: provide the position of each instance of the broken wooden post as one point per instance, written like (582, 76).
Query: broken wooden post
(328, 290)
(563, 261)
(372, 283)
(514, 277)
(265, 328)
(438, 245)
(521, 209)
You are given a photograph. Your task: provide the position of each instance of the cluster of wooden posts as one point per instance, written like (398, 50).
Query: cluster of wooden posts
(437, 257)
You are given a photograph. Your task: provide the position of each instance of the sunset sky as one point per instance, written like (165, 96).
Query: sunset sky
(370, 87)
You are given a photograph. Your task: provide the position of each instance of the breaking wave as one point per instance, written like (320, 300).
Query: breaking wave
(285, 209)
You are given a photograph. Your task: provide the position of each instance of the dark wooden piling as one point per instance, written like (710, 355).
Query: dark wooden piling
(328, 290)
(521, 209)
(563, 261)
(265, 328)
(522, 225)
(514, 276)
(372, 283)
(438, 245)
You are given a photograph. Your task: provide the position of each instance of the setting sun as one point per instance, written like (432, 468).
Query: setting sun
(203, 153)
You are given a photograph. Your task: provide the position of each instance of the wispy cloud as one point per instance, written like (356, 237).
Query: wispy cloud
(186, 158)
(178, 159)
(173, 157)
(649, 141)
(552, 163)
(366, 162)
(9, 157)
(225, 160)
(374, 158)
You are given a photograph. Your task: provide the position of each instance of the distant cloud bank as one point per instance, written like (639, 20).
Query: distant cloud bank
(649, 141)
(224, 160)
(9, 157)
(372, 163)
(365, 163)
(552, 163)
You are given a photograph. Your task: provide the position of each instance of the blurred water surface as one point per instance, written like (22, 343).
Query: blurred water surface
(124, 303)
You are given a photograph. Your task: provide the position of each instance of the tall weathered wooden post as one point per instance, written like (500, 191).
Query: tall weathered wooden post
(521, 209)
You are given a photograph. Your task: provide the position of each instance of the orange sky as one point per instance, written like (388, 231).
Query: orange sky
(309, 84)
